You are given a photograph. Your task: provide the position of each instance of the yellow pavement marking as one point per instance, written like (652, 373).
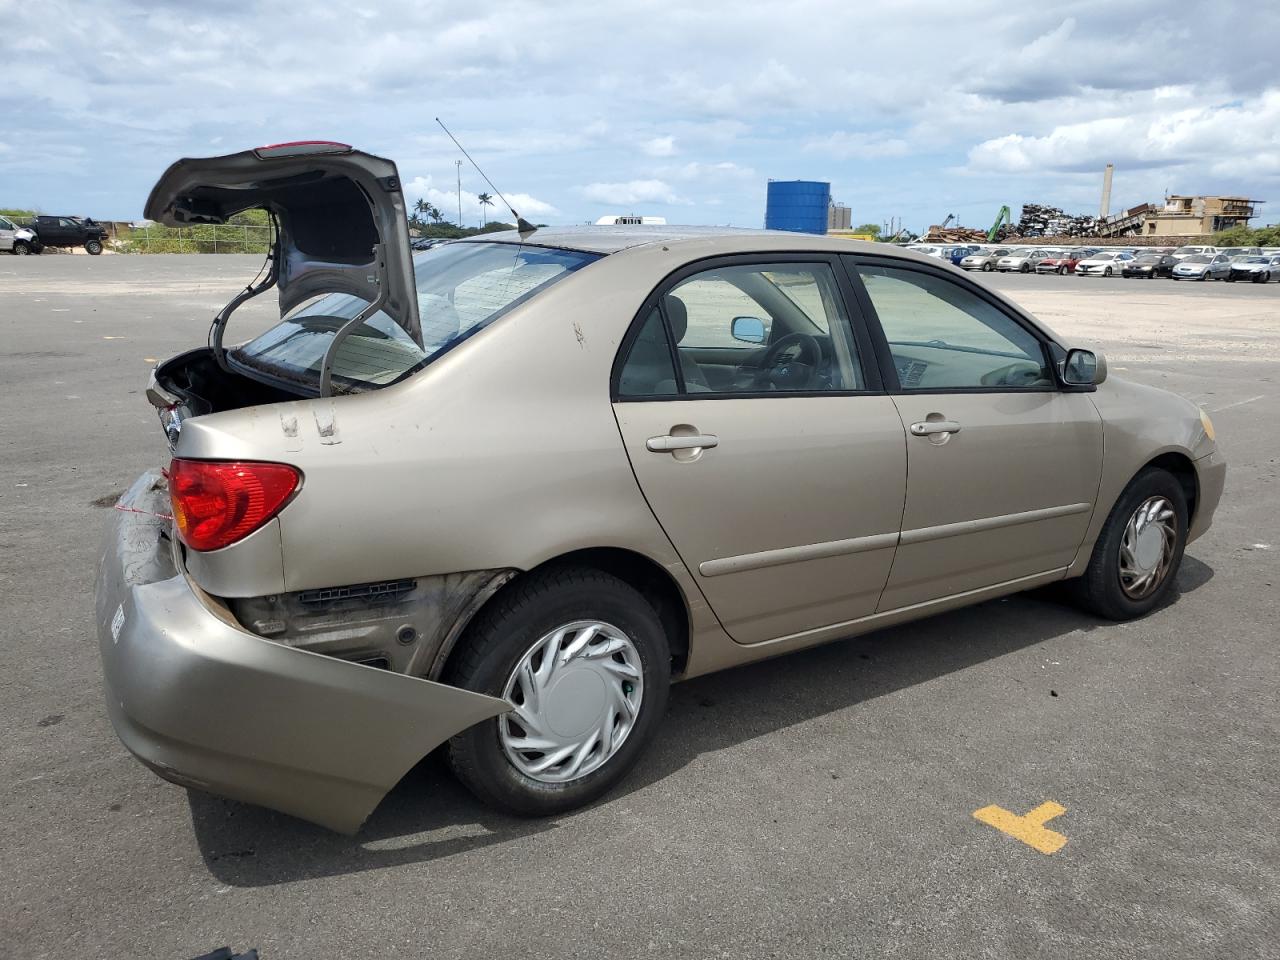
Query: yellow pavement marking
(1030, 829)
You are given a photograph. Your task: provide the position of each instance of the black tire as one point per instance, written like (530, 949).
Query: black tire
(21, 248)
(498, 639)
(1025, 268)
(1062, 271)
(1108, 272)
(1099, 590)
(1230, 278)
(987, 268)
(94, 247)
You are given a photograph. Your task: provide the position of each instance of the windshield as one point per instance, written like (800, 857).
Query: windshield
(462, 287)
(1150, 259)
(1184, 250)
(1196, 259)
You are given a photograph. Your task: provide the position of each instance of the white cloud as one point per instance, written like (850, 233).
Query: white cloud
(447, 202)
(696, 170)
(631, 192)
(1212, 138)
(853, 145)
(660, 147)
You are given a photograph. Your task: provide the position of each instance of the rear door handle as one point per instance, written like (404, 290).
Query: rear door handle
(927, 428)
(669, 443)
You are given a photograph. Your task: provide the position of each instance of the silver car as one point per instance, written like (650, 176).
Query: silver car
(501, 493)
(17, 239)
(1203, 266)
(984, 260)
(1022, 260)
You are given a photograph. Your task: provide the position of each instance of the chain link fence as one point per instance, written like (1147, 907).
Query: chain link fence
(206, 238)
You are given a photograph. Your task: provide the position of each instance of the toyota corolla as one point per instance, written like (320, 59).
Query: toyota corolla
(498, 495)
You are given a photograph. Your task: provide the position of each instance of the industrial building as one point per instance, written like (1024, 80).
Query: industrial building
(1198, 216)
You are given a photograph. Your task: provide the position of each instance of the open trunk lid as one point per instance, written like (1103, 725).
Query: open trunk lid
(340, 216)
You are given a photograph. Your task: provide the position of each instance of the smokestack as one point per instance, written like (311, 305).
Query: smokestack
(1105, 210)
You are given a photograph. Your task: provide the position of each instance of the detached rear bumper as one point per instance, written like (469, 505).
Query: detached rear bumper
(205, 704)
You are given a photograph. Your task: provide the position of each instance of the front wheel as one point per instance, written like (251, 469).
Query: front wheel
(583, 659)
(987, 268)
(1024, 269)
(21, 248)
(1108, 272)
(94, 247)
(1138, 553)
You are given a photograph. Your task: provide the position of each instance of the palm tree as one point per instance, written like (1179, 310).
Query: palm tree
(420, 209)
(485, 201)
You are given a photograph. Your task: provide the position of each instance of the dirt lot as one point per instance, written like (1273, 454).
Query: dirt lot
(816, 805)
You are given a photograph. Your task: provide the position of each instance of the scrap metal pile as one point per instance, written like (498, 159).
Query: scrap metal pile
(1043, 221)
(936, 234)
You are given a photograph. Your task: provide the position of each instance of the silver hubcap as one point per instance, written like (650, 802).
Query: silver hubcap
(576, 694)
(1146, 549)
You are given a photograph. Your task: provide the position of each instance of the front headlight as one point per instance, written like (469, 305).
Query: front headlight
(1208, 426)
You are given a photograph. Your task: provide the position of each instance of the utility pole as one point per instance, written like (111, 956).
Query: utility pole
(459, 166)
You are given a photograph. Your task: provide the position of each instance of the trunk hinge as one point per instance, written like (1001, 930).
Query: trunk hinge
(248, 293)
(326, 365)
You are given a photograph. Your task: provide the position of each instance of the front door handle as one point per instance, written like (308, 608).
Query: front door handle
(927, 428)
(668, 444)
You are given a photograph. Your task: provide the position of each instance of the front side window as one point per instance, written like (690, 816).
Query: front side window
(745, 329)
(944, 336)
(461, 287)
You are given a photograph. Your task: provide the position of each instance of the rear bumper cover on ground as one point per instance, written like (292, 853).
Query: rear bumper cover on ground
(205, 704)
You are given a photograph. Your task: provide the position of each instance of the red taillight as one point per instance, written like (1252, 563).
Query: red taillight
(217, 502)
(300, 148)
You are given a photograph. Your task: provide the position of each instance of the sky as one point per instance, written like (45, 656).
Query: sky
(576, 110)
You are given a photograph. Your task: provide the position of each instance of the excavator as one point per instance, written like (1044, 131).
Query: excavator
(1003, 217)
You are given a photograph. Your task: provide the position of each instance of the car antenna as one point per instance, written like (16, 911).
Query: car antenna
(522, 225)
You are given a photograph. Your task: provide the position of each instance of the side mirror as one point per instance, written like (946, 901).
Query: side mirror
(1084, 368)
(748, 329)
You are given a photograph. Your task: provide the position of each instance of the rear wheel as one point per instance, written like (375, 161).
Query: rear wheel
(1138, 553)
(584, 661)
(94, 247)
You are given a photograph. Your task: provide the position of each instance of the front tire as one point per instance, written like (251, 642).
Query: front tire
(94, 247)
(21, 248)
(987, 268)
(1136, 558)
(1108, 272)
(583, 717)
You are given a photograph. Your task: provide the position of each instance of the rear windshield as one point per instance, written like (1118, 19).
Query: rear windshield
(462, 287)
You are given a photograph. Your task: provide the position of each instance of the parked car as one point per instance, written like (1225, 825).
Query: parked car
(1259, 269)
(1059, 262)
(1194, 251)
(1234, 252)
(69, 232)
(959, 252)
(15, 238)
(1203, 267)
(1149, 266)
(1106, 263)
(984, 260)
(1022, 260)
(499, 494)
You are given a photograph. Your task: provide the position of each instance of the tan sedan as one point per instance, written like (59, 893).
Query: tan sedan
(501, 493)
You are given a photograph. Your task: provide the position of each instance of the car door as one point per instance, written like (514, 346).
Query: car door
(780, 481)
(7, 230)
(1003, 463)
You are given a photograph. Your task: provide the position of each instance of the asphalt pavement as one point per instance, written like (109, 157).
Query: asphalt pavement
(818, 805)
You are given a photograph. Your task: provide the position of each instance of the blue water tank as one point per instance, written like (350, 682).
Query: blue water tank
(797, 205)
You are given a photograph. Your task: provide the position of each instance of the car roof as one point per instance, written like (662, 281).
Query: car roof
(711, 240)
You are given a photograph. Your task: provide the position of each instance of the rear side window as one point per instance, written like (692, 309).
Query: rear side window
(756, 329)
(649, 370)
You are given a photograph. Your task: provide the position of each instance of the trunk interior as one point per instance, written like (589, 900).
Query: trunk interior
(204, 387)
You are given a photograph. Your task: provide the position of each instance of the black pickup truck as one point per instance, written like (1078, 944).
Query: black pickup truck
(68, 232)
